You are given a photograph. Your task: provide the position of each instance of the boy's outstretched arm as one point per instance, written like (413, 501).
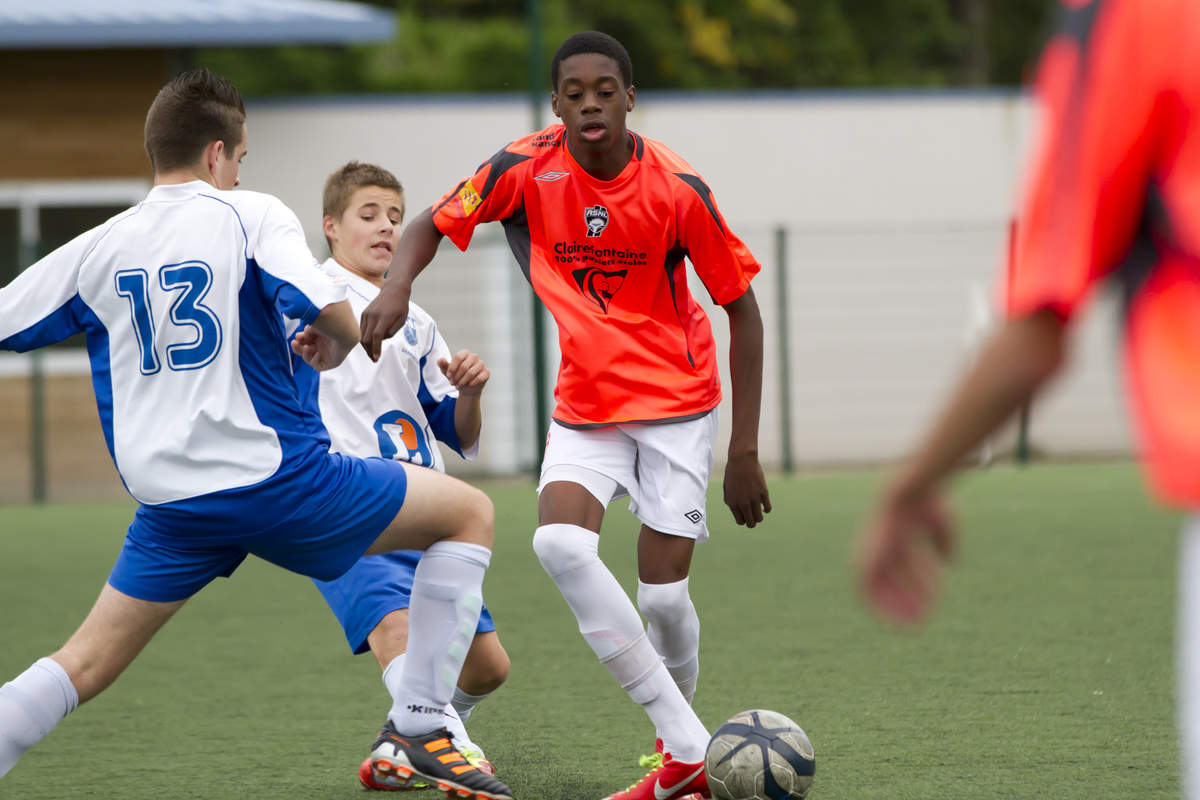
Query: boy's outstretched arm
(329, 339)
(387, 312)
(910, 531)
(467, 373)
(745, 485)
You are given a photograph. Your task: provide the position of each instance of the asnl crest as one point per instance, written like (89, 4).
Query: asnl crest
(596, 218)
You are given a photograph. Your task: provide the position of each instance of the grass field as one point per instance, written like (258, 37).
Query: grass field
(1046, 673)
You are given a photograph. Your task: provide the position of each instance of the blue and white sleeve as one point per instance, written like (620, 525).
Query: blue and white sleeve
(292, 276)
(42, 306)
(439, 397)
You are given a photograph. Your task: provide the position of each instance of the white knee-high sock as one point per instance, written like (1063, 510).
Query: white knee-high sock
(446, 599)
(31, 704)
(674, 630)
(611, 625)
(1187, 650)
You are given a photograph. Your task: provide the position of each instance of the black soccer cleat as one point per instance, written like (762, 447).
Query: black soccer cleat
(433, 758)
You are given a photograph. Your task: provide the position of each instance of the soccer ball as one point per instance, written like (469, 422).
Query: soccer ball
(759, 755)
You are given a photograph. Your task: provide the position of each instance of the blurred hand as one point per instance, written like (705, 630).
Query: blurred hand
(319, 351)
(746, 490)
(466, 371)
(384, 317)
(901, 551)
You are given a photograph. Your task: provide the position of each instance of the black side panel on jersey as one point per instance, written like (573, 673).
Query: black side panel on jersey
(1154, 231)
(501, 163)
(705, 193)
(516, 230)
(671, 263)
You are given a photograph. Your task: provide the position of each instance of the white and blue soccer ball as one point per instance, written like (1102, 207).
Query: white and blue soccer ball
(759, 755)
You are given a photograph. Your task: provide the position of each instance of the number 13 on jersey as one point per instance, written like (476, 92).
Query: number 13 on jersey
(190, 281)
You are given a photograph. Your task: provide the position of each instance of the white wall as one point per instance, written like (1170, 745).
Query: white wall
(896, 207)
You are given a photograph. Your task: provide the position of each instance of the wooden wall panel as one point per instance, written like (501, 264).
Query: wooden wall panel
(77, 114)
(78, 466)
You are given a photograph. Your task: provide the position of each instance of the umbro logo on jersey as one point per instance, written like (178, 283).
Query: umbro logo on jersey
(550, 177)
(596, 218)
(694, 516)
(599, 285)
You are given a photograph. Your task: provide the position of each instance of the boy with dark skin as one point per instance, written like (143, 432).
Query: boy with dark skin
(600, 220)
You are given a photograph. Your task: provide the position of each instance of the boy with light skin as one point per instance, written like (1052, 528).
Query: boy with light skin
(601, 220)
(181, 298)
(416, 395)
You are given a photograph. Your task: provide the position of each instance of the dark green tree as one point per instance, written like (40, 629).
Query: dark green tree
(482, 46)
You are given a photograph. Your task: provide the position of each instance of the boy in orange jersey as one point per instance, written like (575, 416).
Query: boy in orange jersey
(600, 220)
(1115, 194)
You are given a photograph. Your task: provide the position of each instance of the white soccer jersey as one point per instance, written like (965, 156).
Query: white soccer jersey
(180, 299)
(400, 406)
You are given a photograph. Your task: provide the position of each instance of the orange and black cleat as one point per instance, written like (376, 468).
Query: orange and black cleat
(397, 761)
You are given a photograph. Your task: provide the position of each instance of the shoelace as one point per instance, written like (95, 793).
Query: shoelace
(473, 756)
(652, 761)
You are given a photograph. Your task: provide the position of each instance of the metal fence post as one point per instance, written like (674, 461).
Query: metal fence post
(785, 350)
(30, 233)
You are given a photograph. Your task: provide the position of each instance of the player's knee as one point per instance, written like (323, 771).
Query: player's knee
(562, 548)
(477, 518)
(663, 603)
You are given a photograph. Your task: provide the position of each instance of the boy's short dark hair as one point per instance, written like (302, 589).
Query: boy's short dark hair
(193, 110)
(593, 42)
(348, 179)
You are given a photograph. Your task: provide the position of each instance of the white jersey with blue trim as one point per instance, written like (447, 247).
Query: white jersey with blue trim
(180, 300)
(400, 406)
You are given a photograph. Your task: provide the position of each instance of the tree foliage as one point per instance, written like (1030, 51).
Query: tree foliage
(484, 45)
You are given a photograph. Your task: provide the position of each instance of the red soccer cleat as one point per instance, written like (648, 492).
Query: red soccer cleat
(667, 779)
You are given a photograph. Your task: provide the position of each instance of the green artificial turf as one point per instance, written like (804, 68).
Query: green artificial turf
(1045, 673)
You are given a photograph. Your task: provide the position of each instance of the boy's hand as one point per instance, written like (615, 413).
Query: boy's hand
(383, 317)
(466, 371)
(746, 490)
(319, 351)
(901, 551)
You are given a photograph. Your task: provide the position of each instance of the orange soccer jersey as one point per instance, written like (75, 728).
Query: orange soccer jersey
(1115, 192)
(607, 259)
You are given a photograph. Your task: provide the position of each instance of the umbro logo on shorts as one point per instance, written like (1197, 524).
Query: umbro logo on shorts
(694, 516)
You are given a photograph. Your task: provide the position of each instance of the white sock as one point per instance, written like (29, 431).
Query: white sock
(31, 704)
(1187, 649)
(611, 625)
(442, 616)
(674, 630)
(465, 703)
(453, 721)
(458, 731)
(391, 679)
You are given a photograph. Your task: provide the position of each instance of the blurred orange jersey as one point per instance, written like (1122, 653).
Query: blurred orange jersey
(607, 259)
(1115, 193)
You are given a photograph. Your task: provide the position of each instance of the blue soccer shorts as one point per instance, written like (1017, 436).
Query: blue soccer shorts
(316, 516)
(373, 588)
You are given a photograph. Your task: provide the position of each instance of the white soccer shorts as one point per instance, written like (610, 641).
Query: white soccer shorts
(663, 467)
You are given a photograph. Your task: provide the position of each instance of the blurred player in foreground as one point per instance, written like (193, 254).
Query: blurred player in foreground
(1114, 194)
(601, 220)
(180, 299)
(399, 408)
